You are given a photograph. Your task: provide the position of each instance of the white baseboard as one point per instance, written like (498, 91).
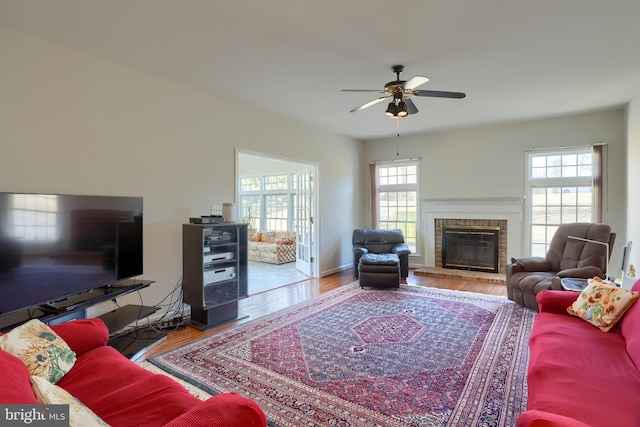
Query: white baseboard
(336, 270)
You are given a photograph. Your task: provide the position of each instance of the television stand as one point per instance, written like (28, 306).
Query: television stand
(131, 342)
(57, 311)
(134, 343)
(73, 301)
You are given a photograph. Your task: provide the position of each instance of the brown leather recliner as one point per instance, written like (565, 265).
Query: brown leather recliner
(566, 257)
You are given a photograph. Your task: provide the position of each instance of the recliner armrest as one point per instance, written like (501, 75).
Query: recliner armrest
(587, 272)
(401, 249)
(360, 249)
(534, 264)
(511, 269)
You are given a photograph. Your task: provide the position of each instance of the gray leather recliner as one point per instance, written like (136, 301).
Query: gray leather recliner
(380, 242)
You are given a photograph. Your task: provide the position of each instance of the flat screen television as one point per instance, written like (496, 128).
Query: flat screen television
(53, 246)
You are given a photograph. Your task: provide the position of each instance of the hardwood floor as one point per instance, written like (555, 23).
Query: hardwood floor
(261, 304)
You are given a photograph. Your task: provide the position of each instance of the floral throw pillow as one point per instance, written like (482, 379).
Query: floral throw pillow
(79, 414)
(602, 304)
(42, 350)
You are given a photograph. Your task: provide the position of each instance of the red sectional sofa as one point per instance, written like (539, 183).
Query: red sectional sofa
(121, 392)
(578, 375)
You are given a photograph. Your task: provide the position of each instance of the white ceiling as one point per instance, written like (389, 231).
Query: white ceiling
(514, 59)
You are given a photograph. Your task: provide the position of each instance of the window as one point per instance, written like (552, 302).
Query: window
(34, 217)
(266, 200)
(560, 186)
(250, 208)
(277, 211)
(397, 199)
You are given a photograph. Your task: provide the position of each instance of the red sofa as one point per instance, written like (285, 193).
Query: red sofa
(578, 375)
(121, 392)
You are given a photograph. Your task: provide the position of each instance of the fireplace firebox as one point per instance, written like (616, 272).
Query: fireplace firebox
(474, 248)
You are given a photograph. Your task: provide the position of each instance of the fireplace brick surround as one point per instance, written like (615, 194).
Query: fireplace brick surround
(504, 212)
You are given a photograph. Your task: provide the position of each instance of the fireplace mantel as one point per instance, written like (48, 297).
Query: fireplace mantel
(510, 209)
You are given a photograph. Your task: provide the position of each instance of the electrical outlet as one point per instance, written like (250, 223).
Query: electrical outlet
(216, 210)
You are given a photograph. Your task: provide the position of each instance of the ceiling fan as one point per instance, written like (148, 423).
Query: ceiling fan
(399, 91)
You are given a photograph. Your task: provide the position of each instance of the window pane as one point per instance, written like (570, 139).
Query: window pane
(276, 182)
(538, 249)
(569, 215)
(554, 161)
(539, 234)
(585, 165)
(554, 172)
(553, 214)
(250, 211)
(539, 196)
(538, 214)
(584, 214)
(250, 184)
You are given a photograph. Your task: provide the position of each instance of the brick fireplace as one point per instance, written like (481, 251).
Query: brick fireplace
(485, 230)
(505, 213)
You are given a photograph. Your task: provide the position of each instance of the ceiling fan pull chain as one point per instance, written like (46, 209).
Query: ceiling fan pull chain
(398, 136)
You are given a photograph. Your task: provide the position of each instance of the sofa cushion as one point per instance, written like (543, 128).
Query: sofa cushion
(124, 394)
(83, 335)
(43, 351)
(51, 394)
(602, 304)
(283, 237)
(268, 237)
(15, 381)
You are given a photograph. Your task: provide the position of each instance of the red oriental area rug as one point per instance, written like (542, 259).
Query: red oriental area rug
(409, 357)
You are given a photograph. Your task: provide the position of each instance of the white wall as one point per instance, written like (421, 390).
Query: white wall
(449, 160)
(633, 190)
(72, 123)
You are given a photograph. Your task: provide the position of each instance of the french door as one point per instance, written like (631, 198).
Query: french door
(303, 220)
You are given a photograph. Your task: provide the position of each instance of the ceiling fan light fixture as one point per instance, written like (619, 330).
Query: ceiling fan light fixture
(402, 109)
(392, 109)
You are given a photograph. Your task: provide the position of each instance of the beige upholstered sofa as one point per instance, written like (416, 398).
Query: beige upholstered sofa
(274, 247)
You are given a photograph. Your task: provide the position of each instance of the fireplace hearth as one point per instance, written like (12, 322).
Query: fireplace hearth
(473, 248)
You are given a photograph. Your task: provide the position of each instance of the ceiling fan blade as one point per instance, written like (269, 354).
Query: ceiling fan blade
(362, 90)
(370, 103)
(439, 94)
(411, 107)
(414, 82)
